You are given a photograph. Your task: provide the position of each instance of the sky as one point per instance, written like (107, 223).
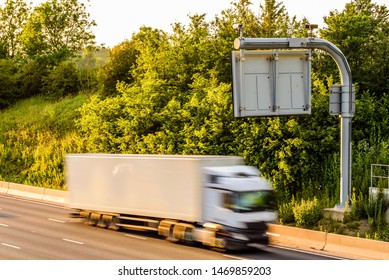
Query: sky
(117, 20)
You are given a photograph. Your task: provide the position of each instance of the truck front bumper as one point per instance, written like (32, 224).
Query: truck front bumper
(255, 233)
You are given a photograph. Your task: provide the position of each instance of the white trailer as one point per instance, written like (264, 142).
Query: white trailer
(214, 200)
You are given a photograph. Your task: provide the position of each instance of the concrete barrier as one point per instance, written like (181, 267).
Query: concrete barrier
(25, 191)
(296, 237)
(358, 247)
(4, 187)
(37, 193)
(55, 196)
(328, 243)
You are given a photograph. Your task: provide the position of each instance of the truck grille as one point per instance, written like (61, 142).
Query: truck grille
(261, 226)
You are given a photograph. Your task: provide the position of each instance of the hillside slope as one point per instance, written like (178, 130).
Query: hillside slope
(34, 136)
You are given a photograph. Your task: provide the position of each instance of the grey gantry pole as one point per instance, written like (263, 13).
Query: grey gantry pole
(346, 109)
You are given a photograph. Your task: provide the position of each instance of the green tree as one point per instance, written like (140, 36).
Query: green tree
(8, 82)
(88, 66)
(122, 58)
(31, 78)
(361, 31)
(57, 30)
(62, 80)
(275, 20)
(13, 17)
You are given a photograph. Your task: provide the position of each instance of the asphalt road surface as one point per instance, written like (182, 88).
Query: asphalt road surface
(31, 230)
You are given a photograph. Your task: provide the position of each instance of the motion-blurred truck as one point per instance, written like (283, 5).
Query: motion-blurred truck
(213, 200)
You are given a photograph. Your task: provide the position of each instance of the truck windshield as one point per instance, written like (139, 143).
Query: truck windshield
(250, 201)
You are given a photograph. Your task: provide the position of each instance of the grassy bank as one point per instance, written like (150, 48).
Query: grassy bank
(34, 136)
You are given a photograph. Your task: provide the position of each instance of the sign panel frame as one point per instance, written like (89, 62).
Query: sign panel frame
(271, 83)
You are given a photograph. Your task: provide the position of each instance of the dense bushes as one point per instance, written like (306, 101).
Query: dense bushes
(303, 213)
(62, 80)
(8, 82)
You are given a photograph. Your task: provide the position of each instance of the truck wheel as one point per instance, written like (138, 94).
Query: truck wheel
(220, 243)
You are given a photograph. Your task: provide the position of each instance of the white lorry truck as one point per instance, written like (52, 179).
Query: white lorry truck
(214, 200)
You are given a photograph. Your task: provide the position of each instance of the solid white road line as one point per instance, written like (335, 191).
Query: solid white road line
(10, 246)
(3, 225)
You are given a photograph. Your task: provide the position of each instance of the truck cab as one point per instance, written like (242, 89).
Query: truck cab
(239, 203)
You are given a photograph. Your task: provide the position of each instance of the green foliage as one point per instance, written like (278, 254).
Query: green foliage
(148, 119)
(57, 30)
(307, 212)
(88, 65)
(303, 212)
(285, 212)
(9, 90)
(31, 78)
(361, 31)
(275, 21)
(376, 208)
(356, 211)
(368, 122)
(13, 17)
(34, 136)
(62, 80)
(383, 233)
(122, 58)
(372, 207)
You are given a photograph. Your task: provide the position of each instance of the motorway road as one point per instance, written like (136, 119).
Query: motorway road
(31, 230)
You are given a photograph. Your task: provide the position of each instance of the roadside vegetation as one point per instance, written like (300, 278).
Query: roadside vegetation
(170, 93)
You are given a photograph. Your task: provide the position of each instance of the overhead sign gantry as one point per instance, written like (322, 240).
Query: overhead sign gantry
(278, 82)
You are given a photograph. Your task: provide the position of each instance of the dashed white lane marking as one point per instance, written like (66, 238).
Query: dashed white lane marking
(3, 225)
(135, 236)
(73, 241)
(233, 257)
(57, 221)
(10, 246)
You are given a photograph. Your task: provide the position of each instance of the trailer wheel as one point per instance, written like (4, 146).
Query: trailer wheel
(113, 223)
(166, 229)
(178, 232)
(104, 221)
(89, 220)
(183, 232)
(189, 237)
